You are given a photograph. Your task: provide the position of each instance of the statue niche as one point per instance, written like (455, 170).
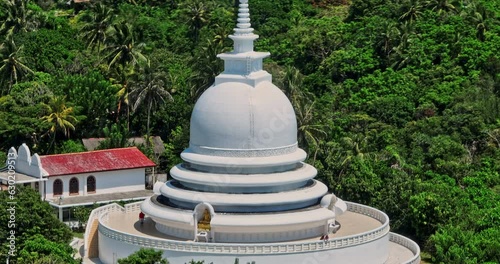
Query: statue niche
(204, 222)
(203, 214)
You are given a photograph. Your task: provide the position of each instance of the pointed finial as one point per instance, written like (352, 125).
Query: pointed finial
(243, 36)
(243, 25)
(243, 64)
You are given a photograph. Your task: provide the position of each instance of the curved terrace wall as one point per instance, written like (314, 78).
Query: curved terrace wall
(115, 244)
(409, 244)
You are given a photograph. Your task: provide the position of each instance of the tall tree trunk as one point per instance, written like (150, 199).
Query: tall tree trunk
(147, 126)
(118, 110)
(128, 117)
(51, 143)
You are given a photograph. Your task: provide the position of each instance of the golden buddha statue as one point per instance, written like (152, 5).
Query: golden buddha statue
(204, 223)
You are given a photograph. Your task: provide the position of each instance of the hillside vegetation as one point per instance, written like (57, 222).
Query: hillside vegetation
(397, 101)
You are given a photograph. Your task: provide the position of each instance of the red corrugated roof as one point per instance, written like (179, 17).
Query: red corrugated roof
(94, 161)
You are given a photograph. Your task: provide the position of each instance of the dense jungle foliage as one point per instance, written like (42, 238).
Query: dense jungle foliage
(397, 101)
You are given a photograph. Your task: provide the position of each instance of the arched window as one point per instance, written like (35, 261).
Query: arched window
(73, 186)
(91, 184)
(58, 187)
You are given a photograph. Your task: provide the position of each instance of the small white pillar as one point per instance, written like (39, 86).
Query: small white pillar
(84, 182)
(195, 227)
(60, 214)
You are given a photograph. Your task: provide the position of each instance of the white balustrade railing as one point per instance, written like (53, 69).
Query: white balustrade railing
(242, 249)
(409, 244)
(97, 214)
(133, 207)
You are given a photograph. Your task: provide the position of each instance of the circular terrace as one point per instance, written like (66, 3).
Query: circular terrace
(361, 226)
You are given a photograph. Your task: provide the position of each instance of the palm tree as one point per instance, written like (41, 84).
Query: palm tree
(413, 10)
(355, 147)
(309, 132)
(387, 37)
(123, 56)
(350, 148)
(400, 56)
(151, 90)
(442, 6)
(221, 35)
(122, 74)
(60, 117)
(18, 17)
(291, 82)
(479, 19)
(494, 137)
(207, 66)
(12, 67)
(197, 12)
(122, 49)
(478, 15)
(96, 30)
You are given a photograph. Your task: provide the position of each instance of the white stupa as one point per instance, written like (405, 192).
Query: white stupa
(243, 190)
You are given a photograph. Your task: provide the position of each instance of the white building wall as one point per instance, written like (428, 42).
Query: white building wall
(106, 182)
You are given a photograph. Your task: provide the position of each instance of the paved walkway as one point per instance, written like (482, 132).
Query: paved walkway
(108, 197)
(398, 254)
(129, 223)
(351, 223)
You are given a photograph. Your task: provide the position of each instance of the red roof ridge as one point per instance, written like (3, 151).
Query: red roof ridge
(76, 153)
(94, 161)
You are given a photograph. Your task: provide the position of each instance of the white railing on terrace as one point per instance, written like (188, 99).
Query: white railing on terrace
(368, 211)
(106, 209)
(409, 244)
(274, 248)
(133, 207)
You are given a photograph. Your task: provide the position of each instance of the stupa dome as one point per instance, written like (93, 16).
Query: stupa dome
(233, 116)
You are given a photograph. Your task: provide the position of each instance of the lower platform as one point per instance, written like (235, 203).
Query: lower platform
(363, 238)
